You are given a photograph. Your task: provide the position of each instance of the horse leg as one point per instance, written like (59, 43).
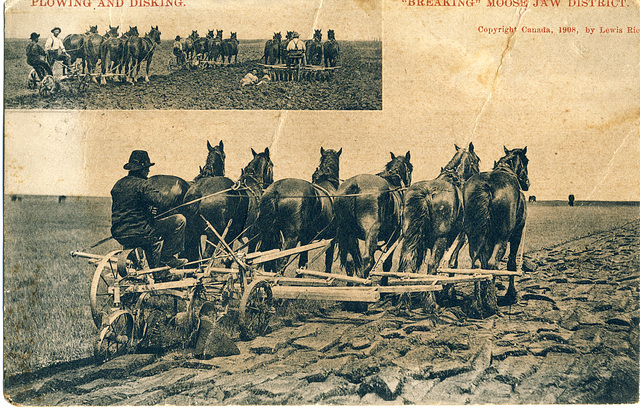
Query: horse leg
(437, 251)
(146, 77)
(498, 253)
(328, 257)
(370, 246)
(453, 261)
(511, 296)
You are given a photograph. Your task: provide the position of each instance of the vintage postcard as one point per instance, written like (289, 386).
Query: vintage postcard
(379, 201)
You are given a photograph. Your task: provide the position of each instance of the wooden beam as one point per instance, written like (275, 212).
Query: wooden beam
(351, 294)
(287, 252)
(493, 272)
(443, 280)
(296, 281)
(335, 276)
(409, 289)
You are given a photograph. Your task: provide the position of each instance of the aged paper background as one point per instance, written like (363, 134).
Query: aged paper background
(572, 98)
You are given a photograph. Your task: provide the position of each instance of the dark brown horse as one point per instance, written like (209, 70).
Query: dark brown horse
(188, 45)
(331, 50)
(139, 50)
(173, 188)
(369, 207)
(295, 211)
(74, 44)
(272, 49)
(433, 213)
(111, 53)
(495, 213)
(230, 48)
(283, 47)
(91, 44)
(223, 202)
(315, 49)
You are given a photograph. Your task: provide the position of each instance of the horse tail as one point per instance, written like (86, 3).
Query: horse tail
(416, 227)
(477, 215)
(346, 227)
(267, 221)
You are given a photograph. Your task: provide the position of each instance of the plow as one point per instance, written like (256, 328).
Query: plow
(125, 291)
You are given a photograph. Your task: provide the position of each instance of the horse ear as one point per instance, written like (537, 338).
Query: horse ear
(221, 145)
(209, 146)
(506, 151)
(266, 151)
(321, 151)
(407, 156)
(253, 152)
(393, 156)
(339, 152)
(471, 146)
(524, 151)
(456, 146)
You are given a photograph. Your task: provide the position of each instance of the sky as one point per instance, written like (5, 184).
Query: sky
(572, 99)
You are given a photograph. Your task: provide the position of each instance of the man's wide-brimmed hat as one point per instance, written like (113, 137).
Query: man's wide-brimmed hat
(295, 35)
(35, 36)
(139, 159)
(56, 28)
(177, 38)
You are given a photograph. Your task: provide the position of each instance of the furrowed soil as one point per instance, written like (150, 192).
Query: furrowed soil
(572, 337)
(356, 85)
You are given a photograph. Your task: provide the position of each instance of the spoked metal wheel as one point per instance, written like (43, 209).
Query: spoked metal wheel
(256, 309)
(48, 86)
(32, 80)
(116, 336)
(110, 279)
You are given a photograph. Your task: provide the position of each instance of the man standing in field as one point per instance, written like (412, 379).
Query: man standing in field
(36, 57)
(296, 49)
(133, 222)
(55, 50)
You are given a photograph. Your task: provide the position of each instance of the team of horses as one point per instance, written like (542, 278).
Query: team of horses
(122, 55)
(317, 52)
(211, 47)
(383, 210)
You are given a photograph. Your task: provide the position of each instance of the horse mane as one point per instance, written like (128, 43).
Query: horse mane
(393, 168)
(253, 169)
(328, 169)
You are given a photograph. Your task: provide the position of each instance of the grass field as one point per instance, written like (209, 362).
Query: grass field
(47, 317)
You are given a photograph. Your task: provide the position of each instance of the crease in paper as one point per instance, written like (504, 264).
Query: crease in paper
(511, 40)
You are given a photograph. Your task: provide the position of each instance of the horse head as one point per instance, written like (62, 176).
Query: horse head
(398, 171)
(329, 167)
(260, 169)
(234, 35)
(465, 163)
(154, 34)
(194, 34)
(93, 29)
(215, 161)
(112, 32)
(211, 34)
(317, 35)
(219, 34)
(517, 161)
(331, 35)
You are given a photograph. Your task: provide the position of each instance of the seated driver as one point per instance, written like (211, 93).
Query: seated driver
(133, 222)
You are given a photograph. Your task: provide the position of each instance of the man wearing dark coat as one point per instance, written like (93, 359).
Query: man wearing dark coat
(37, 58)
(133, 222)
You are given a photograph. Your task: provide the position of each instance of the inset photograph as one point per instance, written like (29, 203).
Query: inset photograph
(193, 55)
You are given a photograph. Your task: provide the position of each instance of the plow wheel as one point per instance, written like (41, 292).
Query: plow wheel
(256, 309)
(115, 336)
(48, 86)
(107, 284)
